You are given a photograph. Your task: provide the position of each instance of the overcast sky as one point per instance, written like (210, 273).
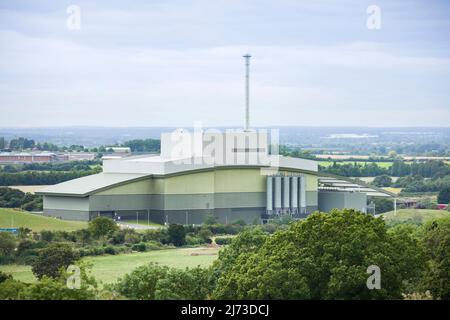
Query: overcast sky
(170, 63)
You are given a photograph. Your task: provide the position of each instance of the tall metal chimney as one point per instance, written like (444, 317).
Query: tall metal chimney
(247, 91)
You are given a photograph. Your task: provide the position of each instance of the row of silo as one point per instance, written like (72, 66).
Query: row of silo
(286, 194)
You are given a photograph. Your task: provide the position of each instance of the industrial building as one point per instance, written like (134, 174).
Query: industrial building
(233, 175)
(230, 175)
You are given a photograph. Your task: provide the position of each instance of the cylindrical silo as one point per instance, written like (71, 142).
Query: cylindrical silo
(302, 194)
(286, 192)
(269, 194)
(277, 192)
(294, 193)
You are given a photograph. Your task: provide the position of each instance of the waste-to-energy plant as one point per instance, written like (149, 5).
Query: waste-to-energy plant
(236, 174)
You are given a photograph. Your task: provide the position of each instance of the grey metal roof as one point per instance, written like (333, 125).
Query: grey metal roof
(85, 186)
(338, 183)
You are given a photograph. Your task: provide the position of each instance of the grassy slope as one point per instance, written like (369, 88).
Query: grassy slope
(109, 268)
(14, 218)
(415, 216)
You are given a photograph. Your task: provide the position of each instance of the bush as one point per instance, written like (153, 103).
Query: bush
(52, 259)
(102, 227)
(132, 237)
(187, 284)
(205, 235)
(47, 235)
(153, 281)
(444, 196)
(239, 222)
(223, 241)
(110, 250)
(210, 219)
(4, 276)
(153, 245)
(118, 237)
(11, 289)
(141, 282)
(159, 235)
(177, 234)
(141, 247)
(193, 240)
(7, 243)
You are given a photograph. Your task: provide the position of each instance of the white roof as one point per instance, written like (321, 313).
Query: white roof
(89, 184)
(345, 184)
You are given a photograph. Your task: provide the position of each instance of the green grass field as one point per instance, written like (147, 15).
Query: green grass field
(109, 268)
(414, 216)
(10, 218)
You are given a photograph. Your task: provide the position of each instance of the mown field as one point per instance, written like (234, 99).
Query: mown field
(414, 216)
(109, 268)
(10, 218)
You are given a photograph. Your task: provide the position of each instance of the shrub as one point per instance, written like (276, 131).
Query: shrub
(444, 196)
(223, 241)
(141, 247)
(118, 237)
(177, 234)
(153, 281)
(52, 259)
(141, 282)
(159, 235)
(239, 222)
(7, 244)
(153, 245)
(132, 237)
(205, 235)
(47, 235)
(193, 240)
(4, 276)
(102, 227)
(110, 250)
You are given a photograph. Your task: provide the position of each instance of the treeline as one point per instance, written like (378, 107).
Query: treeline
(42, 178)
(143, 145)
(417, 183)
(51, 166)
(428, 169)
(340, 264)
(13, 198)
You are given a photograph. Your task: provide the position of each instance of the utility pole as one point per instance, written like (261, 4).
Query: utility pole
(247, 91)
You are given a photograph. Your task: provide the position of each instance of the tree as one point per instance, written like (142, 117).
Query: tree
(52, 259)
(187, 284)
(11, 289)
(48, 288)
(210, 219)
(382, 181)
(249, 240)
(177, 234)
(102, 227)
(383, 205)
(444, 196)
(141, 282)
(436, 240)
(325, 256)
(154, 281)
(7, 244)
